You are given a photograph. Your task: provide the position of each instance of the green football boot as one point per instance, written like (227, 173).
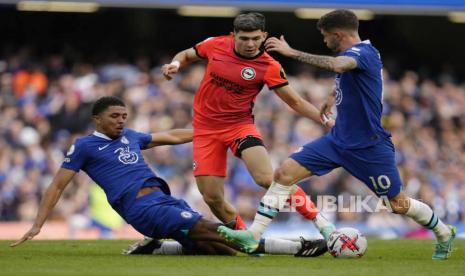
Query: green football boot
(443, 249)
(241, 238)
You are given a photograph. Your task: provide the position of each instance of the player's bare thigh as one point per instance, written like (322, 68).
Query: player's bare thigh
(258, 163)
(290, 172)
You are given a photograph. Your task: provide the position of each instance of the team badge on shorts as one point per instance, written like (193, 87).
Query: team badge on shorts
(248, 73)
(194, 165)
(186, 215)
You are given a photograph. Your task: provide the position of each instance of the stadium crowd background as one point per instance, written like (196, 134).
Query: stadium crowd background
(45, 102)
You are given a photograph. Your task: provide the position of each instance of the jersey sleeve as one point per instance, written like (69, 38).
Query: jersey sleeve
(144, 139)
(275, 77)
(75, 157)
(360, 56)
(203, 49)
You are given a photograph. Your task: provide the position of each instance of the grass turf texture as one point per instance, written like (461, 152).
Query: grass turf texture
(393, 257)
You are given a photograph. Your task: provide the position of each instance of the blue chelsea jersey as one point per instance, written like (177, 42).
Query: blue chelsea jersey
(116, 165)
(359, 100)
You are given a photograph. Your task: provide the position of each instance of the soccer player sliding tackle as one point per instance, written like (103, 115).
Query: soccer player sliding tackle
(112, 157)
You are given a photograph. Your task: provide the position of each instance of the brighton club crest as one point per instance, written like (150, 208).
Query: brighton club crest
(248, 73)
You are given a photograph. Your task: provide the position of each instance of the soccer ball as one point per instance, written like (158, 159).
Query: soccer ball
(347, 243)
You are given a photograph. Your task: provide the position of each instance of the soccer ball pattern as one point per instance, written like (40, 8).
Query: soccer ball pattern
(347, 243)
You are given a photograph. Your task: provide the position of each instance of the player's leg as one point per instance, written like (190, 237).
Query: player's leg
(376, 167)
(246, 143)
(212, 190)
(209, 167)
(258, 163)
(206, 232)
(424, 215)
(317, 157)
(291, 172)
(151, 246)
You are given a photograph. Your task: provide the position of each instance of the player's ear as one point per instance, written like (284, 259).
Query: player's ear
(96, 118)
(265, 35)
(339, 34)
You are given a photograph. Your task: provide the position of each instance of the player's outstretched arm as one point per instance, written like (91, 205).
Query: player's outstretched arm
(51, 197)
(180, 59)
(171, 137)
(334, 64)
(297, 103)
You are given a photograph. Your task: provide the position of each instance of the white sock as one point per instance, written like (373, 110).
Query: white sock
(281, 247)
(273, 201)
(321, 222)
(422, 213)
(169, 248)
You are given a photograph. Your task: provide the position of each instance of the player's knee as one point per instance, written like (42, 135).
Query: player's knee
(399, 205)
(283, 177)
(263, 179)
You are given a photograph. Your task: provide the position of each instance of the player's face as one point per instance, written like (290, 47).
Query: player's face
(332, 40)
(111, 121)
(248, 44)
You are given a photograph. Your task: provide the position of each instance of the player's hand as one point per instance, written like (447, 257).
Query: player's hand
(28, 236)
(326, 112)
(169, 70)
(280, 45)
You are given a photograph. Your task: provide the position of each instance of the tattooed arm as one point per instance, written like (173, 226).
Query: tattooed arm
(334, 64)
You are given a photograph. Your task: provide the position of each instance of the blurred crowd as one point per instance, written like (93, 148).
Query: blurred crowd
(45, 105)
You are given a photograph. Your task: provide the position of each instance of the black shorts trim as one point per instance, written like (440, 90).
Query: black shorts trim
(247, 142)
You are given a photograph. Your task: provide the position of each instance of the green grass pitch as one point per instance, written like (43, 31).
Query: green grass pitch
(393, 257)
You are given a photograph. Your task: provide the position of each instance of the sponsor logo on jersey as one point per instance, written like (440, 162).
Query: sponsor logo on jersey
(248, 73)
(71, 150)
(186, 215)
(104, 147)
(227, 84)
(126, 156)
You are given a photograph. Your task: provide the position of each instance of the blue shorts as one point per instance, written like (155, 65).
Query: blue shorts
(375, 166)
(162, 216)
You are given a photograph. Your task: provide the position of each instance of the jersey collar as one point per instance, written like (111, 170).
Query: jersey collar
(244, 57)
(101, 135)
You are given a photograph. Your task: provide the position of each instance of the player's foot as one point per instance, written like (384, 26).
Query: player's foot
(312, 248)
(143, 247)
(241, 238)
(327, 230)
(443, 249)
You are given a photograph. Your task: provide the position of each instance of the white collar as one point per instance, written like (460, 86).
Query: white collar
(367, 41)
(101, 135)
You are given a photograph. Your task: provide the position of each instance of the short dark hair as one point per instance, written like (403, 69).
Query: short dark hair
(249, 22)
(343, 19)
(104, 102)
